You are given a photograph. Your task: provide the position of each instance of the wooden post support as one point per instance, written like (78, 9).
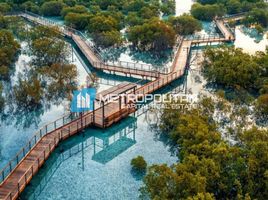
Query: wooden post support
(94, 112)
(3, 176)
(120, 103)
(103, 113)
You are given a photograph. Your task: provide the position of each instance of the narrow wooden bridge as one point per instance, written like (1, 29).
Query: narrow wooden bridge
(93, 55)
(20, 170)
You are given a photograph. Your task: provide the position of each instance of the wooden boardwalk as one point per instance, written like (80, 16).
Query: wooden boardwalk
(142, 70)
(19, 172)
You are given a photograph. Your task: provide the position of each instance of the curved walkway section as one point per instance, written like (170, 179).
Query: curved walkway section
(19, 172)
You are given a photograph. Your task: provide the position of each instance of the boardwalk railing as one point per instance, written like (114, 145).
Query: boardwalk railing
(133, 68)
(69, 31)
(238, 15)
(63, 133)
(158, 83)
(32, 142)
(203, 37)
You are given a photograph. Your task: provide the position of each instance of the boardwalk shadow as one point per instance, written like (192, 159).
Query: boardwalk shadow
(138, 175)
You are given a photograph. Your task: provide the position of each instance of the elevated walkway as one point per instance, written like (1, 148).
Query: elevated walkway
(19, 172)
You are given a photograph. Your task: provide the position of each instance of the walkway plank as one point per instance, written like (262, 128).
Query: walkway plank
(19, 177)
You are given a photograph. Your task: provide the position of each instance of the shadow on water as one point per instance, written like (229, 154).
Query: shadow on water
(156, 59)
(138, 175)
(252, 33)
(113, 54)
(105, 146)
(100, 74)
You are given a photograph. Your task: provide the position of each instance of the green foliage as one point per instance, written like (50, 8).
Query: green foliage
(105, 30)
(133, 19)
(61, 80)
(257, 16)
(243, 76)
(233, 6)
(28, 92)
(76, 9)
(44, 32)
(31, 7)
(8, 49)
(108, 38)
(47, 47)
(3, 22)
(77, 21)
(4, 8)
(101, 23)
(207, 12)
(257, 10)
(154, 35)
(209, 167)
(47, 51)
(232, 68)
(262, 108)
(50, 77)
(52, 8)
(185, 24)
(139, 164)
(168, 7)
(18, 27)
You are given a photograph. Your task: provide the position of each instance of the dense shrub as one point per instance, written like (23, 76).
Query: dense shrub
(52, 8)
(185, 24)
(139, 164)
(154, 35)
(207, 12)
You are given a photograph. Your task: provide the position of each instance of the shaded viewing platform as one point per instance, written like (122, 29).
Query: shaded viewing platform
(20, 170)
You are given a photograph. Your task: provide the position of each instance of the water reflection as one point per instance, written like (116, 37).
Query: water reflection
(131, 54)
(104, 147)
(250, 40)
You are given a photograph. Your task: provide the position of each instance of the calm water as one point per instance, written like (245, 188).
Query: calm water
(249, 40)
(16, 128)
(96, 166)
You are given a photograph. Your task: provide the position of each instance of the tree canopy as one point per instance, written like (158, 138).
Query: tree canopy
(207, 12)
(8, 49)
(185, 24)
(209, 167)
(153, 35)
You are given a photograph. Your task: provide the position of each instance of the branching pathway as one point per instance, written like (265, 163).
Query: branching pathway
(19, 172)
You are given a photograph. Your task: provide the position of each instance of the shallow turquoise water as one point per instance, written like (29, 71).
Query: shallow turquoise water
(18, 127)
(101, 169)
(105, 175)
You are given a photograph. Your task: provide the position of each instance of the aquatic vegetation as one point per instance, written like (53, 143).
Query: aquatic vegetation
(52, 8)
(8, 49)
(207, 12)
(4, 7)
(209, 165)
(156, 35)
(185, 24)
(233, 68)
(139, 164)
(60, 80)
(28, 92)
(262, 108)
